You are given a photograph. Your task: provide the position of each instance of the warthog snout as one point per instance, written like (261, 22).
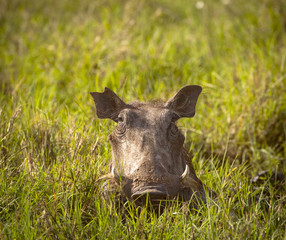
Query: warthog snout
(154, 193)
(148, 158)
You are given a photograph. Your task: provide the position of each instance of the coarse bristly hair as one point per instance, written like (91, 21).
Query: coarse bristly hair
(152, 103)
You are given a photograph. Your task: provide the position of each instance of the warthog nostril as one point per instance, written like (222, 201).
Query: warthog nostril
(150, 199)
(152, 194)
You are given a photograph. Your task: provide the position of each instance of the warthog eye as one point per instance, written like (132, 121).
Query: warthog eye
(121, 126)
(173, 131)
(120, 129)
(175, 117)
(120, 119)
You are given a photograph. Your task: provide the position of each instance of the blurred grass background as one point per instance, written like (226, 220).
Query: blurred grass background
(53, 148)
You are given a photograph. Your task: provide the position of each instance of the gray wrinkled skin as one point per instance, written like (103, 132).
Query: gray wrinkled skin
(147, 147)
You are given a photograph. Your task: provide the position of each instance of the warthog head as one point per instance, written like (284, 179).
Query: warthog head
(147, 147)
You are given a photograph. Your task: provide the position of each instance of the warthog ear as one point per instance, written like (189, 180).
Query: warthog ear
(108, 104)
(184, 102)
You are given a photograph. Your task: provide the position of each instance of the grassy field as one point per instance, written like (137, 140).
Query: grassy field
(53, 148)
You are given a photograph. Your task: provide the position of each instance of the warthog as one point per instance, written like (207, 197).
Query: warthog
(148, 158)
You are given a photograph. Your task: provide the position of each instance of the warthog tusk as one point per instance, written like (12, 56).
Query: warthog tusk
(104, 177)
(187, 180)
(111, 175)
(115, 175)
(186, 173)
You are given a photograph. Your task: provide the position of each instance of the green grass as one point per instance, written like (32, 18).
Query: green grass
(53, 148)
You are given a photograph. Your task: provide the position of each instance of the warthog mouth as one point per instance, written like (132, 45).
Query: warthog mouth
(170, 189)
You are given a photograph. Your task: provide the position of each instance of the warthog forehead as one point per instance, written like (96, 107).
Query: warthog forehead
(144, 117)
